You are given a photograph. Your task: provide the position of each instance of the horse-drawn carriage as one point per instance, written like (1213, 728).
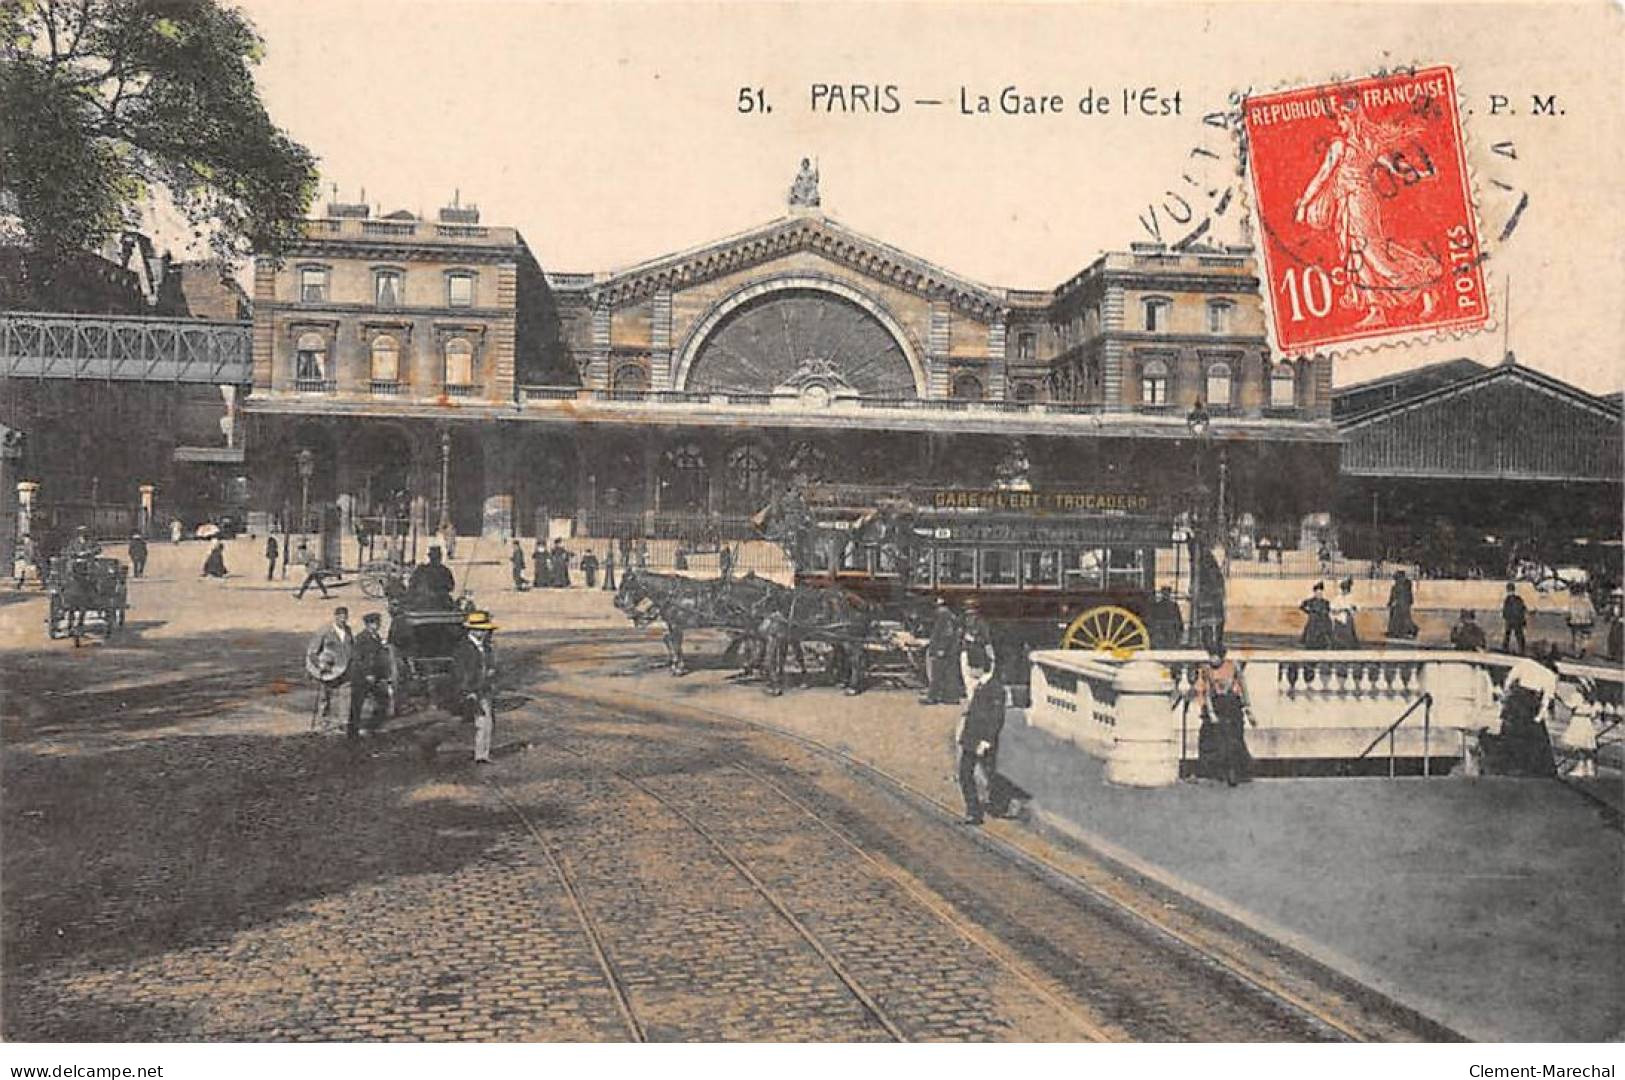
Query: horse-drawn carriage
(420, 655)
(85, 593)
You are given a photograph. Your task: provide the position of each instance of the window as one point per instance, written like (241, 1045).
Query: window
(998, 568)
(956, 566)
(1283, 387)
(1086, 568)
(1127, 568)
(1026, 391)
(1218, 385)
(1154, 383)
(966, 388)
(1027, 346)
(386, 288)
(1040, 569)
(747, 478)
(459, 362)
(313, 285)
(630, 377)
(1218, 316)
(1156, 315)
(459, 290)
(386, 359)
(310, 357)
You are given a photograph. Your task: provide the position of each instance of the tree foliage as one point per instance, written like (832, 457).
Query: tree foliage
(106, 103)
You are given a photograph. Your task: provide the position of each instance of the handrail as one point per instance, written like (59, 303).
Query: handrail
(1425, 700)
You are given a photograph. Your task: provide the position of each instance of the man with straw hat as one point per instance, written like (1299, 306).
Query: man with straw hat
(474, 661)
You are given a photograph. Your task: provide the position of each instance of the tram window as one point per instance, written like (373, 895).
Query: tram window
(1040, 569)
(998, 568)
(956, 566)
(884, 561)
(1087, 568)
(922, 568)
(1127, 567)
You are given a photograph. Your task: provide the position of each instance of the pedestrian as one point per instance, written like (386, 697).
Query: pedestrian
(23, 559)
(975, 643)
(942, 676)
(1165, 622)
(560, 558)
(82, 547)
(1317, 629)
(625, 542)
(516, 558)
(175, 529)
(474, 661)
(327, 658)
(541, 570)
(369, 678)
(1467, 635)
(589, 568)
(979, 729)
(609, 568)
(138, 554)
(1401, 597)
(1514, 618)
(1582, 620)
(1343, 612)
(643, 554)
(272, 553)
(215, 565)
(1222, 698)
(725, 562)
(315, 574)
(1522, 746)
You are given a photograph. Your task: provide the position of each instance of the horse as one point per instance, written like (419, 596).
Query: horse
(681, 603)
(83, 585)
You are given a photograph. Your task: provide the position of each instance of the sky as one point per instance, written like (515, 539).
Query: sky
(612, 133)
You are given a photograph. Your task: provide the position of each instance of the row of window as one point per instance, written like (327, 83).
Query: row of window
(1003, 568)
(387, 286)
(1157, 310)
(1220, 385)
(312, 363)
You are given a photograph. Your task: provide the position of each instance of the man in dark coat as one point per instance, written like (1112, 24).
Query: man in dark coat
(82, 546)
(1167, 624)
(272, 552)
(516, 558)
(541, 568)
(138, 554)
(944, 684)
(609, 568)
(369, 677)
(978, 736)
(1467, 635)
(474, 660)
(589, 568)
(431, 584)
(1514, 618)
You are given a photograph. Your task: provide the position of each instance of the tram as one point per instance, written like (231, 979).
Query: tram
(1073, 569)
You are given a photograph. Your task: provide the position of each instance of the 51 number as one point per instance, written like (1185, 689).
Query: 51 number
(753, 99)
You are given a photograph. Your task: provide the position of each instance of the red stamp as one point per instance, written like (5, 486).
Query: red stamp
(1361, 196)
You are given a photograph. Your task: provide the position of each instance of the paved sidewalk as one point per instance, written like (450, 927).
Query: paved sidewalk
(1491, 905)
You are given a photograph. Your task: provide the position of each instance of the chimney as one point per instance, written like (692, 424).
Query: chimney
(459, 215)
(348, 210)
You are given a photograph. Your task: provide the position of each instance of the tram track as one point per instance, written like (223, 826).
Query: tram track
(1324, 1002)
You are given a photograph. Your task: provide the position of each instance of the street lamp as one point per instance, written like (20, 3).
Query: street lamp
(307, 469)
(1200, 425)
(444, 525)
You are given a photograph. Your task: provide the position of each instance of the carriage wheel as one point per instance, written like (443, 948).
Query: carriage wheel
(1109, 629)
(372, 586)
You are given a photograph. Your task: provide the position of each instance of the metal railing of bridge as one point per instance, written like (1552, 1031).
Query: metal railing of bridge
(126, 348)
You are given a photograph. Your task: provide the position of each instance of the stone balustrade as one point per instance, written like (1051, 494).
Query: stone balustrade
(1136, 713)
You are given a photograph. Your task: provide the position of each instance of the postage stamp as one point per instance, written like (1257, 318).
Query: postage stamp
(1362, 201)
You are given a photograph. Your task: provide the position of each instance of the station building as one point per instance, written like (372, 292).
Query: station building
(435, 372)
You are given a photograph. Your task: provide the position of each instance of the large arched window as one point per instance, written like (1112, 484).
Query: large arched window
(459, 362)
(1283, 387)
(966, 388)
(1026, 391)
(1154, 383)
(310, 358)
(1156, 314)
(1218, 385)
(630, 377)
(386, 359)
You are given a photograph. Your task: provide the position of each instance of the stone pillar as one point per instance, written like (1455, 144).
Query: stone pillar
(147, 491)
(26, 490)
(1146, 748)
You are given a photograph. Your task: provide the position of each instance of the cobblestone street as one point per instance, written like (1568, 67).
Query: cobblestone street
(185, 858)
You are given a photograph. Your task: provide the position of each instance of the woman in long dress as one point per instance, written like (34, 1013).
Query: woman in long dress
(1317, 631)
(1343, 610)
(215, 565)
(1221, 752)
(1343, 196)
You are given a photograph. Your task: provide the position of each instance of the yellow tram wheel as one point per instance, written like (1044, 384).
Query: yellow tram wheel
(1108, 629)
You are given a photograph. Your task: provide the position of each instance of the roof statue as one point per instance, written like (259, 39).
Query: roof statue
(804, 190)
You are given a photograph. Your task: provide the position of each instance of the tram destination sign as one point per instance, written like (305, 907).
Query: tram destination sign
(1037, 502)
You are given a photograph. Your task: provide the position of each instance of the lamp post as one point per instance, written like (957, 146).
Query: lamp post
(1200, 427)
(444, 525)
(307, 469)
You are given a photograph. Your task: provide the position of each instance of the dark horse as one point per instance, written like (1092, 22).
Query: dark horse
(81, 585)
